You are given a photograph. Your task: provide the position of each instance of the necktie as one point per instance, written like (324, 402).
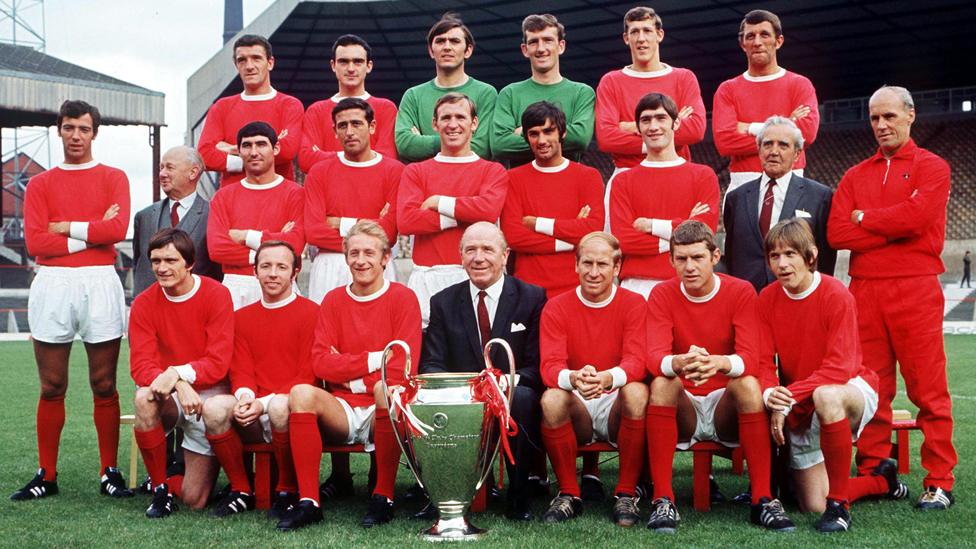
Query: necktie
(174, 217)
(484, 324)
(766, 213)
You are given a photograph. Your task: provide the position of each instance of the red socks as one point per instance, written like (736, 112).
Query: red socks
(662, 437)
(387, 453)
(229, 450)
(306, 452)
(561, 446)
(50, 422)
(630, 443)
(862, 487)
(835, 443)
(754, 439)
(152, 444)
(286, 468)
(106, 414)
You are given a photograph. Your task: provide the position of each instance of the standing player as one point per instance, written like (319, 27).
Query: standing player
(265, 206)
(73, 215)
(258, 101)
(449, 43)
(649, 201)
(181, 338)
(543, 41)
(352, 60)
(704, 339)
(355, 323)
(826, 392)
(592, 361)
(440, 197)
(743, 103)
(272, 353)
(890, 211)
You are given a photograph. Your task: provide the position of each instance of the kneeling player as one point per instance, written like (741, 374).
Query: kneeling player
(272, 351)
(181, 337)
(355, 323)
(592, 346)
(703, 340)
(829, 393)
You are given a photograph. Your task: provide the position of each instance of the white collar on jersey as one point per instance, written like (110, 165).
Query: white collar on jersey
(260, 97)
(370, 297)
(600, 305)
(806, 293)
(650, 74)
(188, 295)
(336, 98)
(662, 163)
(704, 298)
(279, 304)
(377, 158)
(75, 167)
(551, 169)
(441, 157)
(254, 187)
(778, 74)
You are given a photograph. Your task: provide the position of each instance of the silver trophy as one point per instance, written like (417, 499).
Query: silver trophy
(448, 438)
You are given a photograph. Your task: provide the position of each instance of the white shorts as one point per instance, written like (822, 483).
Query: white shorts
(606, 197)
(360, 421)
(599, 410)
(643, 286)
(805, 446)
(330, 271)
(244, 289)
(427, 281)
(87, 301)
(705, 420)
(194, 431)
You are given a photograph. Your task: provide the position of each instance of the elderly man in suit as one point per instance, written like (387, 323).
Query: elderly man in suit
(777, 195)
(179, 171)
(488, 305)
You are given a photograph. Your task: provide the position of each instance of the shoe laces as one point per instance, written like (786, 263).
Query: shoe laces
(562, 504)
(663, 508)
(935, 495)
(772, 511)
(627, 504)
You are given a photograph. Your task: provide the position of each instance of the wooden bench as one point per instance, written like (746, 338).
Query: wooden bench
(263, 455)
(130, 419)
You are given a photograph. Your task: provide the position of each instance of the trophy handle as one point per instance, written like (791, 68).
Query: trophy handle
(399, 423)
(493, 452)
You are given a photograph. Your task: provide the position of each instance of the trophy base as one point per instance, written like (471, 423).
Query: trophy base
(454, 529)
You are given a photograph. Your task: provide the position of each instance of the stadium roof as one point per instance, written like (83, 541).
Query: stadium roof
(33, 85)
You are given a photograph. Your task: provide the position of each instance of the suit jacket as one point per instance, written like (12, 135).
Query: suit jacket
(744, 254)
(452, 342)
(155, 217)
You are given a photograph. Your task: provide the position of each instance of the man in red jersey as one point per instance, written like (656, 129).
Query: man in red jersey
(181, 338)
(592, 361)
(703, 342)
(438, 198)
(264, 206)
(355, 323)
(743, 103)
(550, 205)
(890, 211)
(258, 101)
(352, 60)
(73, 216)
(650, 200)
(272, 353)
(824, 393)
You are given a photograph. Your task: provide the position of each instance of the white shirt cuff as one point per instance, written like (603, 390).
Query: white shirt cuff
(860, 218)
(75, 245)
(448, 222)
(78, 230)
(563, 380)
(766, 394)
(373, 360)
(346, 223)
(545, 225)
(663, 245)
(755, 128)
(661, 228)
(266, 401)
(235, 163)
(445, 206)
(619, 377)
(250, 257)
(563, 246)
(252, 239)
(187, 373)
(243, 391)
(738, 366)
(666, 368)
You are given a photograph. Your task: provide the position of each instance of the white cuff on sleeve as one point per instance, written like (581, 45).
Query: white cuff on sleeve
(766, 394)
(253, 239)
(75, 245)
(545, 225)
(663, 245)
(445, 206)
(619, 377)
(250, 257)
(187, 373)
(346, 223)
(243, 391)
(755, 128)
(860, 218)
(563, 246)
(666, 368)
(78, 230)
(765, 397)
(738, 366)
(373, 360)
(563, 381)
(661, 228)
(235, 163)
(448, 222)
(266, 401)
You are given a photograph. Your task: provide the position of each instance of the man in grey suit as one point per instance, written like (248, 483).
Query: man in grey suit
(179, 171)
(778, 194)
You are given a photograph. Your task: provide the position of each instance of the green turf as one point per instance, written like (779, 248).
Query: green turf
(79, 517)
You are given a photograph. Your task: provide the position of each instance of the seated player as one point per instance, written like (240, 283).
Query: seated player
(355, 323)
(181, 338)
(272, 352)
(703, 343)
(592, 347)
(828, 393)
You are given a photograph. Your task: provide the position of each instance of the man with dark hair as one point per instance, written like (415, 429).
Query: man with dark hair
(73, 216)
(352, 60)
(258, 101)
(743, 103)
(703, 341)
(450, 44)
(181, 338)
(543, 41)
(264, 206)
(650, 200)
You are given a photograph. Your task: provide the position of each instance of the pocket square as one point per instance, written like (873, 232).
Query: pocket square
(517, 327)
(802, 213)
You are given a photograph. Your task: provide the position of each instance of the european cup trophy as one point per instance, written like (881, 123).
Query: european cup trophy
(448, 429)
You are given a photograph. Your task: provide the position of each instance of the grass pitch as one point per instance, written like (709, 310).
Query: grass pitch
(80, 517)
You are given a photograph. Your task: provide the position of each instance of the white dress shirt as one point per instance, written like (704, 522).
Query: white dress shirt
(779, 196)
